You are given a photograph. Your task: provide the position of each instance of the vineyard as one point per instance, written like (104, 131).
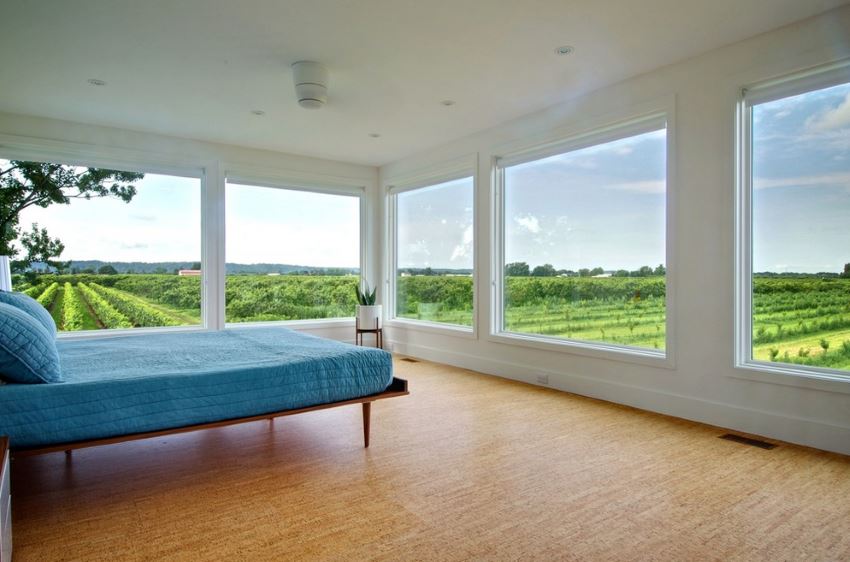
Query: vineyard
(801, 321)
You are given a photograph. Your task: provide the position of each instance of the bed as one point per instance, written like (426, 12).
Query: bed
(121, 388)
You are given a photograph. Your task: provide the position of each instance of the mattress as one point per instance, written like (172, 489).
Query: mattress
(131, 384)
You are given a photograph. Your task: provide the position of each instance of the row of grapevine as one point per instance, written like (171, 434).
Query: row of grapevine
(34, 291)
(47, 296)
(106, 313)
(73, 311)
(131, 307)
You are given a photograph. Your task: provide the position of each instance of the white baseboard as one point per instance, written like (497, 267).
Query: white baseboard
(802, 431)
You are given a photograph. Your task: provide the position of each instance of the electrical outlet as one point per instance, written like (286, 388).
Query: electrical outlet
(542, 379)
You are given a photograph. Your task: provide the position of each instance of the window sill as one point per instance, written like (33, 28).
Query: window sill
(433, 327)
(825, 380)
(317, 324)
(649, 357)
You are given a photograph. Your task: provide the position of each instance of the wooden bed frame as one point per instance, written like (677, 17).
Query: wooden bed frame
(398, 387)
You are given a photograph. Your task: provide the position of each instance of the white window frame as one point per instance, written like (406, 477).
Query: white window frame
(662, 118)
(53, 152)
(747, 367)
(464, 167)
(235, 177)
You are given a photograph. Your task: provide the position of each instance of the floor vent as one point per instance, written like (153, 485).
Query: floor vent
(748, 441)
(410, 360)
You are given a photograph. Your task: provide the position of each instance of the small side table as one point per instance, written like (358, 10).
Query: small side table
(377, 330)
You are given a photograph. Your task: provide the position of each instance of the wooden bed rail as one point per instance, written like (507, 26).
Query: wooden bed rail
(398, 387)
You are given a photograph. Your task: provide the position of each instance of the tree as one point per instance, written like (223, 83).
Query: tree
(545, 270)
(846, 273)
(517, 269)
(584, 272)
(620, 273)
(660, 270)
(107, 270)
(596, 271)
(26, 184)
(40, 248)
(196, 265)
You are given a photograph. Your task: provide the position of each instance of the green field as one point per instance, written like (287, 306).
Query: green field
(797, 320)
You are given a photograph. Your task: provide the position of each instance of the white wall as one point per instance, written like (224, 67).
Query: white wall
(36, 137)
(703, 385)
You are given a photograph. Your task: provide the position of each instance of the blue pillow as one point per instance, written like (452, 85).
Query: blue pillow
(27, 352)
(31, 307)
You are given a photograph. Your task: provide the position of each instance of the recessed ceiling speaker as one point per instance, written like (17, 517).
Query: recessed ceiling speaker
(311, 84)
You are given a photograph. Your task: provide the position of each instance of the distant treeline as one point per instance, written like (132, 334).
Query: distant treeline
(172, 267)
(522, 269)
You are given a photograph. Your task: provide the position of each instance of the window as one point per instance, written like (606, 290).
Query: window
(583, 241)
(794, 278)
(103, 249)
(291, 255)
(434, 235)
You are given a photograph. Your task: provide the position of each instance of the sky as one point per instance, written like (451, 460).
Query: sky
(266, 225)
(602, 206)
(161, 223)
(435, 226)
(801, 182)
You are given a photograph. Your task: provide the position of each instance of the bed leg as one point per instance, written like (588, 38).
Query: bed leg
(367, 410)
(68, 452)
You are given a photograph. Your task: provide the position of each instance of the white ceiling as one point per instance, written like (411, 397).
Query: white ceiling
(196, 68)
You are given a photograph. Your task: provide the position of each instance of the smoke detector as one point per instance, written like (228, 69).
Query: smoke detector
(311, 84)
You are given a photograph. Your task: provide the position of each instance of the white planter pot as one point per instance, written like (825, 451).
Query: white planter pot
(369, 317)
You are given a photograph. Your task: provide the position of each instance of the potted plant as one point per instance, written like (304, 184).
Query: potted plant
(368, 313)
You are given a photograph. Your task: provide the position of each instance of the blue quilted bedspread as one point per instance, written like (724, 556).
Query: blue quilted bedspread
(131, 384)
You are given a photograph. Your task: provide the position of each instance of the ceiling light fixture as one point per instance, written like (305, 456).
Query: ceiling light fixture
(375, 135)
(311, 84)
(96, 82)
(258, 112)
(448, 103)
(564, 50)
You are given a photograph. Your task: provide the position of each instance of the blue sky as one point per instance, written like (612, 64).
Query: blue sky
(601, 206)
(801, 181)
(161, 223)
(435, 227)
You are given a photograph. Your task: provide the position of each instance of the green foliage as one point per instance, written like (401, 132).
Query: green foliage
(105, 312)
(517, 269)
(34, 291)
(107, 270)
(47, 297)
(364, 296)
(40, 247)
(545, 270)
(73, 316)
(137, 311)
(289, 297)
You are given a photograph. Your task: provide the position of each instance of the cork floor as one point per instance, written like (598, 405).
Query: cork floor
(469, 467)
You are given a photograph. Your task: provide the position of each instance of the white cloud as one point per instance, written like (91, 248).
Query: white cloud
(650, 187)
(831, 119)
(841, 179)
(463, 249)
(529, 222)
